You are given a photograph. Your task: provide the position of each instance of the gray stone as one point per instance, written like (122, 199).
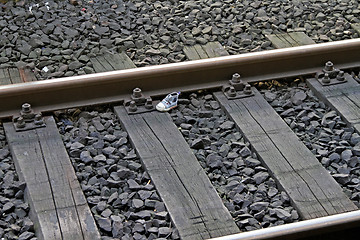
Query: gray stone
(260, 177)
(8, 207)
(101, 30)
(75, 65)
(26, 235)
(282, 214)
(104, 223)
(213, 160)
(269, 96)
(298, 97)
(251, 162)
(133, 185)
(4, 59)
(244, 152)
(346, 155)
(342, 178)
(227, 125)
(85, 157)
(164, 231)
(4, 153)
(137, 203)
(259, 206)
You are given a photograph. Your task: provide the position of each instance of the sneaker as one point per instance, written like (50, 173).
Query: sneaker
(168, 103)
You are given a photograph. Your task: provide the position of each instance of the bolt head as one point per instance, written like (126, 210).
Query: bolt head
(148, 103)
(26, 107)
(247, 89)
(340, 76)
(137, 92)
(132, 106)
(20, 122)
(236, 78)
(329, 66)
(326, 78)
(231, 91)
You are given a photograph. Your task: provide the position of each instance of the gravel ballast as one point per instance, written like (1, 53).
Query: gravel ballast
(120, 194)
(57, 39)
(14, 220)
(322, 130)
(245, 186)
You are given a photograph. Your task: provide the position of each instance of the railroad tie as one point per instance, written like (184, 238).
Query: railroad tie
(209, 50)
(343, 98)
(193, 204)
(111, 62)
(311, 188)
(285, 40)
(58, 206)
(16, 75)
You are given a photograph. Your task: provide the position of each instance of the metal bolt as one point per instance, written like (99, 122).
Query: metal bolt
(148, 103)
(38, 119)
(26, 108)
(132, 106)
(137, 93)
(231, 92)
(247, 89)
(326, 78)
(236, 78)
(340, 76)
(329, 66)
(20, 122)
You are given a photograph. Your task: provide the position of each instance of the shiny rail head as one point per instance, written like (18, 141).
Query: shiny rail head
(110, 87)
(302, 229)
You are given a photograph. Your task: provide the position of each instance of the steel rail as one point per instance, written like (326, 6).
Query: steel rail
(114, 86)
(308, 229)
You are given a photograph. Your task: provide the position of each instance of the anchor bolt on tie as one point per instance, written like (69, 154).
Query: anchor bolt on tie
(329, 66)
(148, 103)
(247, 89)
(137, 93)
(132, 106)
(340, 76)
(232, 92)
(26, 108)
(236, 78)
(326, 78)
(20, 122)
(38, 119)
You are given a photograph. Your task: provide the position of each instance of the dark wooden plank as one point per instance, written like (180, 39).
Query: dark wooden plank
(293, 39)
(120, 61)
(4, 76)
(199, 49)
(310, 187)
(114, 61)
(27, 75)
(214, 49)
(191, 53)
(104, 63)
(97, 65)
(343, 98)
(58, 207)
(209, 50)
(194, 206)
(126, 61)
(15, 75)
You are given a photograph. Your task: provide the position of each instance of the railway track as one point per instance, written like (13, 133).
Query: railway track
(259, 142)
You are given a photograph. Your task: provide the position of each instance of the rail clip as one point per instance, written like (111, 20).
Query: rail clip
(330, 75)
(237, 88)
(138, 103)
(28, 119)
